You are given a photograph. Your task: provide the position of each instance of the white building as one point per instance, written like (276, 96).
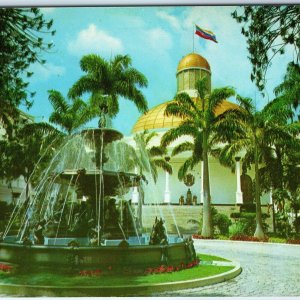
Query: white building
(225, 185)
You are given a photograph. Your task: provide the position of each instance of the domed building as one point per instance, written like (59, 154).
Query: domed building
(226, 187)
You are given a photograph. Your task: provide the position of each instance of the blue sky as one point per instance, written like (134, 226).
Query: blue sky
(156, 38)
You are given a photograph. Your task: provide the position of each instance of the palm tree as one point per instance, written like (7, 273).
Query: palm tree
(69, 115)
(198, 122)
(289, 89)
(256, 133)
(107, 81)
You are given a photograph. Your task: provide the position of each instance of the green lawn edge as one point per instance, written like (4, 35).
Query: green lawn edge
(59, 280)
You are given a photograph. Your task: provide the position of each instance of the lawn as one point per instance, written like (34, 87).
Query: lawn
(50, 279)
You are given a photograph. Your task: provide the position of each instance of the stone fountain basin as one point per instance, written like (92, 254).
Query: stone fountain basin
(139, 256)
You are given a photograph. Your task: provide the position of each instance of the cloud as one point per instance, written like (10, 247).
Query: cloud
(173, 21)
(159, 39)
(44, 72)
(95, 40)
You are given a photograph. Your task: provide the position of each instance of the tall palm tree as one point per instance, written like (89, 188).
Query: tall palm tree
(70, 116)
(107, 81)
(256, 133)
(289, 89)
(198, 122)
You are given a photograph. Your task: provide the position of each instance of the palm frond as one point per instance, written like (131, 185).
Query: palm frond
(218, 96)
(183, 147)
(175, 133)
(57, 101)
(163, 164)
(186, 166)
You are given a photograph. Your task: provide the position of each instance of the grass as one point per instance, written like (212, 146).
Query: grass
(50, 279)
(277, 240)
(205, 257)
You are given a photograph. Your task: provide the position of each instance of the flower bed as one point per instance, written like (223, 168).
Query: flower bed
(5, 268)
(129, 271)
(292, 241)
(247, 238)
(199, 236)
(170, 269)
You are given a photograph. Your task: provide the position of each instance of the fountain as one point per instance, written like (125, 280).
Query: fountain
(78, 215)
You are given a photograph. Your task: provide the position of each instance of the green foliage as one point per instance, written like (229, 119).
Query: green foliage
(31, 148)
(283, 227)
(220, 221)
(269, 30)
(106, 81)
(245, 224)
(223, 223)
(237, 228)
(289, 90)
(22, 44)
(199, 122)
(5, 210)
(69, 116)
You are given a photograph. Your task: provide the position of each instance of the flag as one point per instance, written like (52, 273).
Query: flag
(206, 34)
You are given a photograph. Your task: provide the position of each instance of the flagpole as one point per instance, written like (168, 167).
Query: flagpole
(193, 38)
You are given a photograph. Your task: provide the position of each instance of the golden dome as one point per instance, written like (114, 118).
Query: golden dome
(155, 118)
(193, 60)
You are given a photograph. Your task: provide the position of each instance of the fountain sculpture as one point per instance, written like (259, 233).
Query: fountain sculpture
(78, 215)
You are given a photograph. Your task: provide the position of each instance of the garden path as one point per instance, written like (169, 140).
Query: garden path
(268, 270)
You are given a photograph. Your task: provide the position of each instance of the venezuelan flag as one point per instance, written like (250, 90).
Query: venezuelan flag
(206, 34)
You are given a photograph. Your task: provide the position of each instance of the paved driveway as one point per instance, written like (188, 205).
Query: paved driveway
(268, 270)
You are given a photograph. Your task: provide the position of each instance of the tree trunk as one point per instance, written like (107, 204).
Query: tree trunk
(259, 232)
(207, 220)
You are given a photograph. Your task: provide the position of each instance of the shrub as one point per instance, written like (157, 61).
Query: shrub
(283, 227)
(237, 228)
(222, 222)
(247, 223)
(296, 224)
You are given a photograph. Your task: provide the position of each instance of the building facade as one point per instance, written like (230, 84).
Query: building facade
(226, 186)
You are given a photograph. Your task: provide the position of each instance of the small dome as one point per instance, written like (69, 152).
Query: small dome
(155, 118)
(193, 60)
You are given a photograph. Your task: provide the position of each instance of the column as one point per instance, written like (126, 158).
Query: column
(167, 190)
(135, 192)
(238, 194)
(167, 195)
(202, 184)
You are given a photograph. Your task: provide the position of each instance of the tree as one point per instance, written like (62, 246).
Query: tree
(22, 43)
(255, 133)
(289, 90)
(69, 116)
(28, 152)
(269, 30)
(107, 81)
(198, 122)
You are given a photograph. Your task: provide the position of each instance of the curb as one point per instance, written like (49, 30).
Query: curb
(126, 290)
(244, 242)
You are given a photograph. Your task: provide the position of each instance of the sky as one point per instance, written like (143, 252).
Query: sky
(155, 38)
